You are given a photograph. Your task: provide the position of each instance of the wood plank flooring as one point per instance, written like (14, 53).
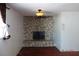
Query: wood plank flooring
(45, 51)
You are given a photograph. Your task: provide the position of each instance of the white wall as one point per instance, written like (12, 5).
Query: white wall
(56, 31)
(14, 44)
(66, 36)
(70, 33)
(66, 32)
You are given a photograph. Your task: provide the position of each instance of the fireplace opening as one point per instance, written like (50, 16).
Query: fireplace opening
(38, 35)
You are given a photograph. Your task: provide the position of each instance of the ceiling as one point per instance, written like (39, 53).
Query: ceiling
(29, 9)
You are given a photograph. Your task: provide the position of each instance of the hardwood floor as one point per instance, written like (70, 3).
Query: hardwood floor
(45, 51)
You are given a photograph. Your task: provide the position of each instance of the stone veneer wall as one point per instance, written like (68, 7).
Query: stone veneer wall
(32, 23)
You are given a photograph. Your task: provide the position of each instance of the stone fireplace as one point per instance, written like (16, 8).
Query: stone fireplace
(38, 32)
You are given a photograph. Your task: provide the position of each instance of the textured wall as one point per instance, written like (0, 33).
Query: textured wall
(57, 31)
(12, 46)
(38, 24)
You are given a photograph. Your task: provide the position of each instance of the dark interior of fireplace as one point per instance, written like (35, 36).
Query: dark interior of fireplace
(38, 35)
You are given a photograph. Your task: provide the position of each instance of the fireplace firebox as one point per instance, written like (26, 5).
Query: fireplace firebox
(38, 35)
